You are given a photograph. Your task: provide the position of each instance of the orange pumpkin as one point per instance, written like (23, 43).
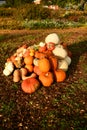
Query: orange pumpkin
(60, 75)
(39, 55)
(12, 58)
(54, 62)
(44, 65)
(15, 62)
(42, 55)
(26, 53)
(48, 53)
(8, 59)
(29, 67)
(46, 79)
(42, 49)
(30, 85)
(28, 60)
(37, 70)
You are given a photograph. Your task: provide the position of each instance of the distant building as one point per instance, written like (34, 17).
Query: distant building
(2, 2)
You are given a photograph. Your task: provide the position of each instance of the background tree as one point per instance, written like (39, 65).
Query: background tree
(15, 3)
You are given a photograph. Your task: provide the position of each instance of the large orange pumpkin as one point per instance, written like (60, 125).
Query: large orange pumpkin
(60, 75)
(44, 65)
(28, 60)
(30, 85)
(46, 79)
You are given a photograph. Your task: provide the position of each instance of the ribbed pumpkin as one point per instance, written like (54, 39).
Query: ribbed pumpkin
(54, 62)
(44, 65)
(30, 85)
(60, 75)
(46, 79)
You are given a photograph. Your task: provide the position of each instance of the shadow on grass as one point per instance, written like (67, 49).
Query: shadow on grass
(77, 49)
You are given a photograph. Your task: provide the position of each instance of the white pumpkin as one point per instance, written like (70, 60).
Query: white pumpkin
(60, 51)
(53, 37)
(9, 67)
(6, 72)
(68, 59)
(35, 61)
(63, 65)
(42, 44)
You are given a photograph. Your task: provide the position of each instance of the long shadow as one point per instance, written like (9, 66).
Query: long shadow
(77, 50)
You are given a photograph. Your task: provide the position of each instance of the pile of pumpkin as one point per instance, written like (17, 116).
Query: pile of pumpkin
(44, 64)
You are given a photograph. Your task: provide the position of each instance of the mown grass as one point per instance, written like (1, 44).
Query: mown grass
(63, 106)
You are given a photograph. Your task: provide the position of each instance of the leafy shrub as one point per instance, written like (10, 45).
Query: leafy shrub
(7, 12)
(82, 19)
(32, 11)
(85, 6)
(44, 13)
(10, 23)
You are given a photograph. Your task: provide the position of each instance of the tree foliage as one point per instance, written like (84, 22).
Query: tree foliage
(63, 2)
(17, 2)
(60, 3)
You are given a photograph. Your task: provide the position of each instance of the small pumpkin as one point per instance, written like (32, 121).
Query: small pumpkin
(12, 58)
(26, 52)
(9, 67)
(37, 70)
(60, 75)
(35, 61)
(30, 85)
(29, 67)
(32, 51)
(46, 79)
(48, 53)
(16, 75)
(63, 64)
(42, 49)
(44, 65)
(24, 72)
(50, 46)
(20, 49)
(28, 60)
(39, 55)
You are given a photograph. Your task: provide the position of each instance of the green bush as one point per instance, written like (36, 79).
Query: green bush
(44, 13)
(32, 11)
(7, 12)
(82, 19)
(85, 6)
